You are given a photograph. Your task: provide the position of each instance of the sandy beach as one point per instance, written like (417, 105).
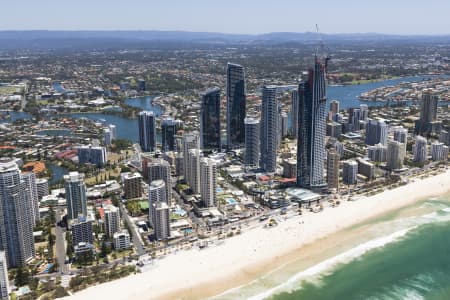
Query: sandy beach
(195, 273)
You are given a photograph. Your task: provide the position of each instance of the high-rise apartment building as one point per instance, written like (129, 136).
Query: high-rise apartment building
(208, 182)
(252, 142)
(420, 151)
(75, 195)
(311, 152)
(210, 120)
(269, 129)
(132, 185)
(16, 216)
(147, 131)
(236, 105)
(333, 169)
(376, 132)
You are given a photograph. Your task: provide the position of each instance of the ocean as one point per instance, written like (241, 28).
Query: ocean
(404, 254)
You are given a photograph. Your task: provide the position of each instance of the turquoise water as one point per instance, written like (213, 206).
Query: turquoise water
(402, 255)
(416, 267)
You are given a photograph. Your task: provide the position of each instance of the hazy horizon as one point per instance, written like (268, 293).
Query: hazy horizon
(232, 17)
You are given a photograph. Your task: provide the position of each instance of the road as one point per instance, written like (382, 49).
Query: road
(60, 243)
(138, 245)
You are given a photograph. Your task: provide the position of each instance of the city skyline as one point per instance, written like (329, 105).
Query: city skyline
(250, 17)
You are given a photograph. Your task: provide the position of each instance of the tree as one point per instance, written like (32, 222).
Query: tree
(22, 277)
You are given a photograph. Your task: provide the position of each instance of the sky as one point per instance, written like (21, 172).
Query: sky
(230, 16)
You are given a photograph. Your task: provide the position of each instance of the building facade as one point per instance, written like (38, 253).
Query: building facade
(16, 216)
(132, 185)
(147, 131)
(252, 142)
(75, 195)
(208, 182)
(269, 129)
(333, 169)
(236, 105)
(210, 120)
(312, 128)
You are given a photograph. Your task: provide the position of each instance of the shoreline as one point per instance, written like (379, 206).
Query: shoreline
(196, 274)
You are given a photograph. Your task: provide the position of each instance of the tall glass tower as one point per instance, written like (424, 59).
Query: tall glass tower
(236, 102)
(311, 152)
(269, 129)
(210, 120)
(147, 131)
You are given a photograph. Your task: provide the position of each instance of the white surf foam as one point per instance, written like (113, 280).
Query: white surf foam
(331, 262)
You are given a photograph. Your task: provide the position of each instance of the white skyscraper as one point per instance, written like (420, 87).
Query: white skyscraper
(159, 210)
(208, 180)
(4, 282)
(112, 220)
(156, 193)
(30, 180)
(16, 216)
(439, 152)
(160, 169)
(194, 170)
(395, 155)
(161, 221)
(420, 149)
(191, 140)
(75, 195)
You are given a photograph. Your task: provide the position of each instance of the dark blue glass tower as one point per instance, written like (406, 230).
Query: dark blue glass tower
(210, 120)
(236, 104)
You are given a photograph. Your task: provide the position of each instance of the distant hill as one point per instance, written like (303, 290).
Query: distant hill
(69, 39)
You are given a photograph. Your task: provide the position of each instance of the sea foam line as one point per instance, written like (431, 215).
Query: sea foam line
(333, 261)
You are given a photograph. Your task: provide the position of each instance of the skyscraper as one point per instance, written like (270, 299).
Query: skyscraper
(190, 141)
(236, 105)
(112, 220)
(159, 169)
(376, 132)
(30, 180)
(193, 170)
(401, 135)
(132, 185)
(428, 112)
(334, 107)
(269, 129)
(92, 155)
(156, 194)
(4, 282)
(354, 118)
(210, 120)
(294, 113)
(395, 155)
(312, 127)
(333, 169)
(208, 182)
(439, 152)
(147, 131)
(168, 132)
(420, 149)
(252, 141)
(75, 195)
(350, 172)
(16, 216)
(364, 112)
(161, 221)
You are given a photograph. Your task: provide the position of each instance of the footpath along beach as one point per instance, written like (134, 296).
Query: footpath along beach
(196, 274)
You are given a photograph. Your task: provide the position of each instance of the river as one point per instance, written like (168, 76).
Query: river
(128, 128)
